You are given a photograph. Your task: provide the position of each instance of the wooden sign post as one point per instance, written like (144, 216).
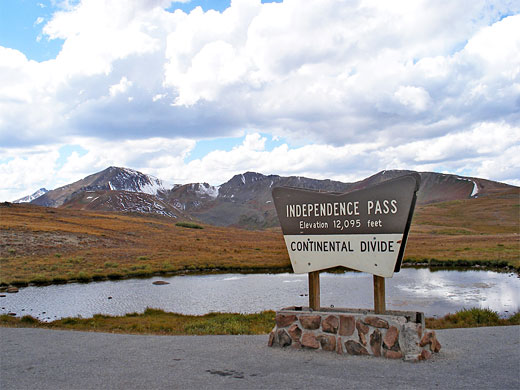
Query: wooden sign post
(379, 295)
(314, 290)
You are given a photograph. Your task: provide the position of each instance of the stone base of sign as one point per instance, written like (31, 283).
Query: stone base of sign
(393, 335)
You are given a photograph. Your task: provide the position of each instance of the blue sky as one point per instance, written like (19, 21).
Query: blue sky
(197, 91)
(21, 28)
(22, 22)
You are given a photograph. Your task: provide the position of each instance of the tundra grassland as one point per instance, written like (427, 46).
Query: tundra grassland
(42, 245)
(483, 231)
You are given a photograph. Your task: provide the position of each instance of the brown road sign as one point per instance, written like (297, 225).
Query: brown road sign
(365, 230)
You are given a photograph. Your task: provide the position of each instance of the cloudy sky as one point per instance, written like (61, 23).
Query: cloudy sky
(201, 90)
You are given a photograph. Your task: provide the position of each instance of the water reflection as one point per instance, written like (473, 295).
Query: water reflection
(434, 293)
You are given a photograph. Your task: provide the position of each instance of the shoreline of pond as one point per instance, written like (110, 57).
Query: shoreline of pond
(431, 264)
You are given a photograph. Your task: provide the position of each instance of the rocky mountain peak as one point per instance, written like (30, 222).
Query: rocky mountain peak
(244, 179)
(125, 179)
(110, 179)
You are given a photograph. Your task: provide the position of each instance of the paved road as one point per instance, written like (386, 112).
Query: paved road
(483, 358)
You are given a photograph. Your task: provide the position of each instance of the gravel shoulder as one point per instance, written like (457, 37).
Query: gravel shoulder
(478, 358)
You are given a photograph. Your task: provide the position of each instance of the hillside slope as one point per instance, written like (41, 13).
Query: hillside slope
(133, 202)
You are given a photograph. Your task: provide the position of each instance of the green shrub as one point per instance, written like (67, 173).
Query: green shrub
(467, 318)
(20, 283)
(83, 277)
(29, 320)
(69, 321)
(476, 316)
(514, 319)
(39, 279)
(190, 225)
(59, 280)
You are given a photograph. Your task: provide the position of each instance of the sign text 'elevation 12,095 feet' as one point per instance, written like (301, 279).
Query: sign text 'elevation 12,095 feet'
(364, 230)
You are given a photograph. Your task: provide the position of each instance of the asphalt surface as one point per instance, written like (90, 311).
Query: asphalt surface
(481, 358)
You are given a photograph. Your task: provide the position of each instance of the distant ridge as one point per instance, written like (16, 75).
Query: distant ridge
(243, 201)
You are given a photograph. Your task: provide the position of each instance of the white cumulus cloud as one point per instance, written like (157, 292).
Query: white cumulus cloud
(330, 76)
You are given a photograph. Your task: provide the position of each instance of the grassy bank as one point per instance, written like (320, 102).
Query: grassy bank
(471, 318)
(154, 321)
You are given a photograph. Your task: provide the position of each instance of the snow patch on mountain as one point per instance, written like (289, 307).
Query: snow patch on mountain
(30, 198)
(475, 189)
(133, 181)
(142, 204)
(207, 190)
(474, 192)
(153, 187)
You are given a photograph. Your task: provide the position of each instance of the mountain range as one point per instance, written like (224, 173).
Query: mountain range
(243, 201)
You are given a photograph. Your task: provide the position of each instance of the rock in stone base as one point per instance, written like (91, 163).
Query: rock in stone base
(330, 324)
(391, 337)
(310, 341)
(347, 325)
(392, 354)
(376, 322)
(310, 322)
(425, 355)
(328, 342)
(339, 346)
(435, 346)
(271, 339)
(375, 342)
(283, 320)
(362, 339)
(361, 327)
(283, 338)
(431, 339)
(295, 332)
(354, 348)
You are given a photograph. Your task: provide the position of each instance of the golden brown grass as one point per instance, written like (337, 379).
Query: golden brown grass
(482, 229)
(44, 245)
(40, 244)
